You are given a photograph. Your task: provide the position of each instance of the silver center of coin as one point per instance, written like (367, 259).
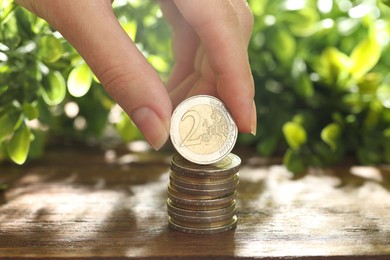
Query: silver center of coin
(202, 130)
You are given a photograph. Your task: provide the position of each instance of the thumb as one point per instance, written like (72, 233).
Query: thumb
(92, 28)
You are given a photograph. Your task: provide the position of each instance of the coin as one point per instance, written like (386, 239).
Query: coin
(191, 194)
(203, 225)
(230, 164)
(199, 202)
(207, 219)
(232, 182)
(202, 198)
(173, 192)
(207, 230)
(198, 207)
(201, 213)
(213, 193)
(202, 129)
(204, 180)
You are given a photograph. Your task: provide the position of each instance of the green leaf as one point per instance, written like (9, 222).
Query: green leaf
(365, 56)
(8, 122)
(30, 111)
(4, 68)
(54, 88)
(283, 44)
(307, 119)
(373, 115)
(383, 94)
(338, 59)
(369, 83)
(330, 134)
(304, 86)
(23, 23)
(293, 162)
(6, 7)
(258, 7)
(295, 135)
(49, 49)
(333, 65)
(79, 80)
(301, 22)
(19, 144)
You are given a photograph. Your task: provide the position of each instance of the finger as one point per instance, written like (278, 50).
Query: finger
(91, 27)
(179, 93)
(185, 43)
(201, 82)
(207, 84)
(245, 18)
(192, 84)
(218, 27)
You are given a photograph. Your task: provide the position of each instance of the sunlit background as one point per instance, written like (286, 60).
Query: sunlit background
(320, 69)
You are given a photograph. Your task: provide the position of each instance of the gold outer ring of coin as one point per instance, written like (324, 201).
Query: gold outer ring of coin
(204, 186)
(202, 202)
(202, 129)
(212, 193)
(201, 213)
(226, 166)
(203, 231)
(204, 179)
(208, 219)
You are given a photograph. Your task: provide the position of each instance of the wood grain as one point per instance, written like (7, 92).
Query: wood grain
(81, 203)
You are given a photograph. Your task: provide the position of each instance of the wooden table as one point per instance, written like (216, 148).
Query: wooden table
(82, 203)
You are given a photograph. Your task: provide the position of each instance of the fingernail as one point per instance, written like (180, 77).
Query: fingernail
(253, 119)
(154, 129)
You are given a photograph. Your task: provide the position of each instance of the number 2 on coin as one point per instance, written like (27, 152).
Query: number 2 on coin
(189, 139)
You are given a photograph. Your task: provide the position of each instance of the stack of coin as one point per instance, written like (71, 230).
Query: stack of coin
(201, 198)
(204, 176)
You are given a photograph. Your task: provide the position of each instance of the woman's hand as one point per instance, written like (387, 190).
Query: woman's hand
(209, 45)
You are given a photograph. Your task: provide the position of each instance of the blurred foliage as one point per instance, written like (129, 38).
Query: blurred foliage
(322, 84)
(48, 92)
(320, 69)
